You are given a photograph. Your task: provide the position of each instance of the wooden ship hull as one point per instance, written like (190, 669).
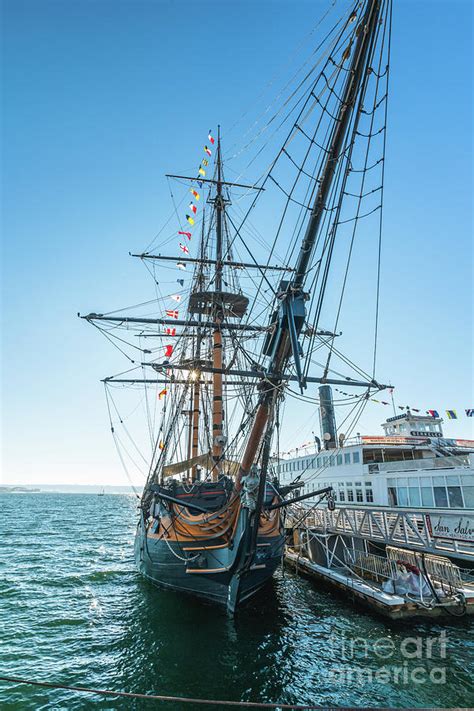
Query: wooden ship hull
(212, 556)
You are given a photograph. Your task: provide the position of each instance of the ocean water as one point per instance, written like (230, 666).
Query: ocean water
(73, 610)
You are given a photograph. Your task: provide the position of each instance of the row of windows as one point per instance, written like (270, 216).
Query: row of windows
(322, 460)
(419, 427)
(347, 492)
(440, 492)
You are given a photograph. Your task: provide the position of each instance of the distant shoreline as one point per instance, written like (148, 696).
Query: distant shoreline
(67, 489)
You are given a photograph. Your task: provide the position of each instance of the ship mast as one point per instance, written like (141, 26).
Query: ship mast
(291, 311)
(217, 402)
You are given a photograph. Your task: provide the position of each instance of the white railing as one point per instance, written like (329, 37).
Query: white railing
(409, 528)
(431, 463)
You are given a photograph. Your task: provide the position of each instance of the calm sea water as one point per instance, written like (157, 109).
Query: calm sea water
(74, 611)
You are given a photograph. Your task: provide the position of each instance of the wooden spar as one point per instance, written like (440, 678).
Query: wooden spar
(217, 401)
(217, 413)
(197, 374)
(195, 435)
(190, 423)
(255, 438)
(364, 33)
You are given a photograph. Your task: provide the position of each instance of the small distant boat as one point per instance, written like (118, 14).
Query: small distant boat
(101, 493)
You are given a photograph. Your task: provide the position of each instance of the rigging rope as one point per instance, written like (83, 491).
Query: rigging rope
(156, 697)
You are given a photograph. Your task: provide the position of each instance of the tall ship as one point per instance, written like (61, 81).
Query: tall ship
(248, 329)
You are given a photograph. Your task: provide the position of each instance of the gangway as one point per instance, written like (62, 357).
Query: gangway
(410, 528)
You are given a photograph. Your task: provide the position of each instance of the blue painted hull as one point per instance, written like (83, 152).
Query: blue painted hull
(166, 564)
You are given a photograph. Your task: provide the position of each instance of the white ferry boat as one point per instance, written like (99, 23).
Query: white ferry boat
(412, 465)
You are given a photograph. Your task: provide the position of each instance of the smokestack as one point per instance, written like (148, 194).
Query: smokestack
(327, 420)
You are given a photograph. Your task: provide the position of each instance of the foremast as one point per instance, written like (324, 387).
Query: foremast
(291, 309)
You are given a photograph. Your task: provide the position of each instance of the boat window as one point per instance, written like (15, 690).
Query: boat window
(468, 492)
(358, 483)
(455, 496)
(331, 460)
(369, 495)
(452, 480)
(347, 458)
(359, 496)
(392, 496)
(342, 495)
(402, 492)
(339, 459)
(356, 457)
(368, 483)
(427, 496)
(414, 495)
(440, 495)
(350, 495)
(325, 461)
(425, 481)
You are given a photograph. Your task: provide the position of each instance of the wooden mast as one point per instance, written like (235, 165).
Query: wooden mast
(196, 374)
(217, 412)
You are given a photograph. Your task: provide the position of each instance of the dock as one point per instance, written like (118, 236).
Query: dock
(389, 561)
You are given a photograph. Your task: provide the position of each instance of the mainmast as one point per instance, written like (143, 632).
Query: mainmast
(217, 402)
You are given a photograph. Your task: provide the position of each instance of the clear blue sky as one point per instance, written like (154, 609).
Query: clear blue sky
(100, 99)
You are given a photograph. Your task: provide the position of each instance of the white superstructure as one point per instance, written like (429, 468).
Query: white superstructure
(411, 465)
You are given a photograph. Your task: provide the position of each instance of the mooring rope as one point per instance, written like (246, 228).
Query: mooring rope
(158, 697)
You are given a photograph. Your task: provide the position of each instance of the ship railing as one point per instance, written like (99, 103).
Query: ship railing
(412, 465)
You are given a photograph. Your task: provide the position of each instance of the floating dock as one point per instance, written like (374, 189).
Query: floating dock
(388, 562)
(393, 606)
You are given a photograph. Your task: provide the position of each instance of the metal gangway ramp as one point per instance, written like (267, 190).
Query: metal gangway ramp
(410, 528)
